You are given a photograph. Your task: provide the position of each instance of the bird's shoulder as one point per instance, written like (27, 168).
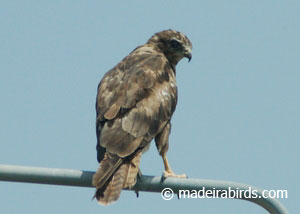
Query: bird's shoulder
(131, 80)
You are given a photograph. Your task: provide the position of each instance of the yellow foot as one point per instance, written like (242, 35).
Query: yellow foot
(167, 174)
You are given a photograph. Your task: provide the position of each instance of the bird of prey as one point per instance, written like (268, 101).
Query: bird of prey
(135, 102)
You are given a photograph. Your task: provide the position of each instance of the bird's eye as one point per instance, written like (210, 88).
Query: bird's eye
(175, 44)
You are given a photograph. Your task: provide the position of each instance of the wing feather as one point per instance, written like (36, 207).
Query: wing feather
(135, 99)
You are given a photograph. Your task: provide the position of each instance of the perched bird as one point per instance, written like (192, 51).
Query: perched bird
(135, 102)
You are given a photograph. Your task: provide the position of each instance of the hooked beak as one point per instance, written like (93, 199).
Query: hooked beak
(188, 54)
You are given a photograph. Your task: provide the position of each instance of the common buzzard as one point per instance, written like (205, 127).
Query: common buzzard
(135, 102)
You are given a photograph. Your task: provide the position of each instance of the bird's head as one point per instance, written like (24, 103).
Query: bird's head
(175, 45)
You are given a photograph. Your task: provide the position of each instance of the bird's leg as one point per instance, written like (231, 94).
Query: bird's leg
(168, 171)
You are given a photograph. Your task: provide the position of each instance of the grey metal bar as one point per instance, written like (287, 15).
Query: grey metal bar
(70, 177)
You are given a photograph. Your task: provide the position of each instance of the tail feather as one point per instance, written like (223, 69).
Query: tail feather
(113, 190)
(133, 169)
(113, 175)
(108, 166)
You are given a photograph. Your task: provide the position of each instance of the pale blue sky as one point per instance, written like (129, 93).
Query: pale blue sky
(237, 117)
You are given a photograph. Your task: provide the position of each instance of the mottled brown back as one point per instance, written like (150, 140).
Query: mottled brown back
(135, 103)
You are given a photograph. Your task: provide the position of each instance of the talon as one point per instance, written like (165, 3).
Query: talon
(163, 178)
(137, 193)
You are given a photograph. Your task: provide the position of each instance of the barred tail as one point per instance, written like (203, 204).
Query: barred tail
(113, 175)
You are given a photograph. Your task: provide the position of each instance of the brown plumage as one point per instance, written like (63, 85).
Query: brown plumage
(135, 103)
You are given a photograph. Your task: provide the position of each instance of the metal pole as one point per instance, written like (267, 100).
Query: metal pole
(70, 177)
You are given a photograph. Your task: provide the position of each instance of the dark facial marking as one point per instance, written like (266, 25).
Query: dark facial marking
(175, 44)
